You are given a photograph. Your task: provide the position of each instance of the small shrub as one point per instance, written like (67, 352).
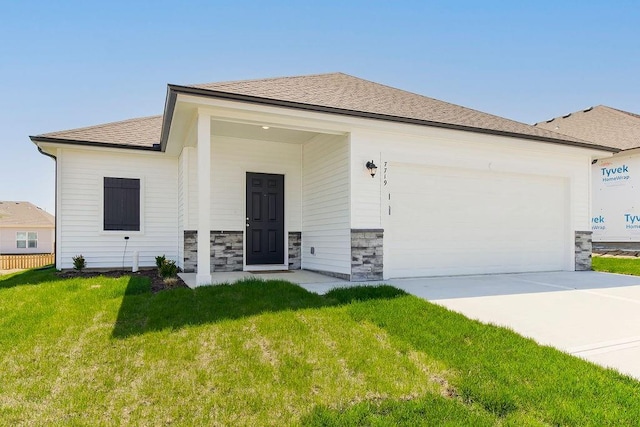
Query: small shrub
(160, 260)
(168, 269)
(79, 263)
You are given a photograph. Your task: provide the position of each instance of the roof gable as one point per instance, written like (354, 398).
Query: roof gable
(600, 125)
(24, 214)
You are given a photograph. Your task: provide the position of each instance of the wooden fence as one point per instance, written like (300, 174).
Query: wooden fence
(14, 262)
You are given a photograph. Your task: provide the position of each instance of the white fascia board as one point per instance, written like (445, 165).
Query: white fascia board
(258, 114)
(52, 147)
(630, 152)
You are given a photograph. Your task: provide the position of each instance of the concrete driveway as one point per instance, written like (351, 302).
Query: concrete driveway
(592, 315)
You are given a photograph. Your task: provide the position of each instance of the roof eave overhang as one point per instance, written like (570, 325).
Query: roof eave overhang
(46, 139)
(6, 226)
(174, 90)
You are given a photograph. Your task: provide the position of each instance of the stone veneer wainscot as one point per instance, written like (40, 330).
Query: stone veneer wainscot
(226, 251)
(295, 250)
(366, 254)
(583, 248)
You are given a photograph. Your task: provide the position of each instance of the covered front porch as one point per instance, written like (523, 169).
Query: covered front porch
(227, 165)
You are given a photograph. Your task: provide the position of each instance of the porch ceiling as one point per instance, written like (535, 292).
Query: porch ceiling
(243, 121)
(257, 132)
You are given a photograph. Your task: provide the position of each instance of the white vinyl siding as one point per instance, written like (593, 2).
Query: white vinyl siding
(325, 209)
(81, 178)
(182, 167)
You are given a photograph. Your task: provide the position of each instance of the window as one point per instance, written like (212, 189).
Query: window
(121, 204)
(26, 239)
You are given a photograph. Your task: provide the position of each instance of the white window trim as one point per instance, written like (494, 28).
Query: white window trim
(26, 240)
(101, 230)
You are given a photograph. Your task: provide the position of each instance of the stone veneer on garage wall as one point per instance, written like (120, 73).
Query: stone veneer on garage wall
(366, 254)
(227, 250)
(583, 250)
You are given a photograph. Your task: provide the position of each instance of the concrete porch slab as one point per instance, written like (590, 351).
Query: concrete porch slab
(311, 281)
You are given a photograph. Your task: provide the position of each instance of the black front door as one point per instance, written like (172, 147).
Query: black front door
(265, 218)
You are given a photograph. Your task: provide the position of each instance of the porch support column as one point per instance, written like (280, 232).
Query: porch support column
(203, 271)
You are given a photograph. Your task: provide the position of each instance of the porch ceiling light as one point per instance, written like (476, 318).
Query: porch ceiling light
(372, 168)
(265, 127)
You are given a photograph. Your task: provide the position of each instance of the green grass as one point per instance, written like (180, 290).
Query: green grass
(107, 351)
(616, 265)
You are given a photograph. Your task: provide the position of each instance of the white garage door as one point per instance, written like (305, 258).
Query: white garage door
(447, 221)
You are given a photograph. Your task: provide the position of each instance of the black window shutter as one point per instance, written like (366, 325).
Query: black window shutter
(121, 204)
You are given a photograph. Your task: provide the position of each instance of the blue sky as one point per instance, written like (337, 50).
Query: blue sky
(69, 64)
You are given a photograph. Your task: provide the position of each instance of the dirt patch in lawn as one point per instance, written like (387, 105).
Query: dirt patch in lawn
(3, 272)
(617, 254)
(157, 283)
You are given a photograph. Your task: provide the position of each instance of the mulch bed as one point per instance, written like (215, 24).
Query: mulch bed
(157, 283)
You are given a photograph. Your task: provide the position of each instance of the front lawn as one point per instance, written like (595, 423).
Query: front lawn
(616, 265)
(107, 351)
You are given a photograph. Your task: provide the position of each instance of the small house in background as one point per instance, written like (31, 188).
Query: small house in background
(27, 235)
(615, 181)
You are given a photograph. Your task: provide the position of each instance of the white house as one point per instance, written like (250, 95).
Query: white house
(25, 229)
(277, 174)
(615, 183)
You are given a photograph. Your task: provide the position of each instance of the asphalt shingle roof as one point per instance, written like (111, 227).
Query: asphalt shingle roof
(138, 132)
(600, 125)
(341, 93)
(24, 214)
(345, 92)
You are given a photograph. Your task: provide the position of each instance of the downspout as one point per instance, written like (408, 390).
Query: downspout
(55, 206)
